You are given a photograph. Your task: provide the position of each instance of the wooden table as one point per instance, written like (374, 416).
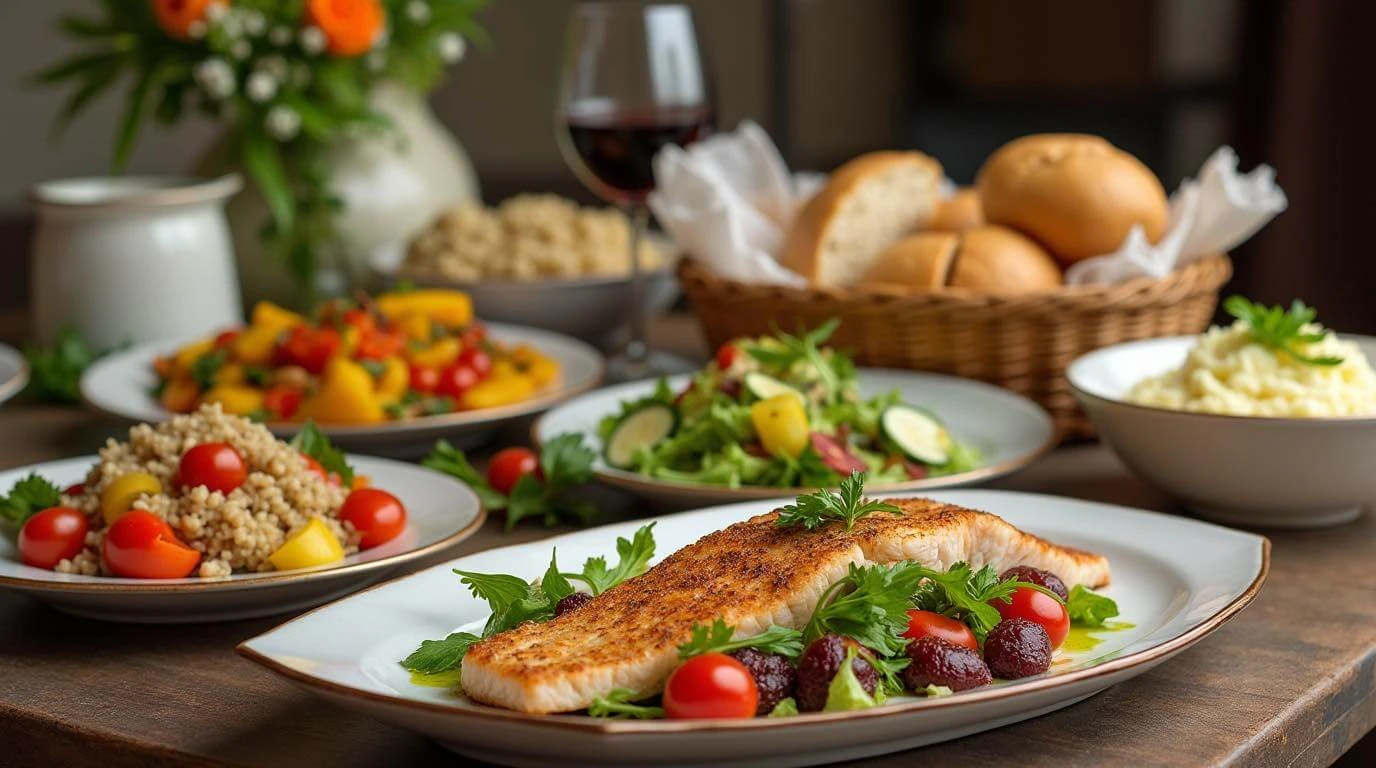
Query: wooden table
(1291, 681)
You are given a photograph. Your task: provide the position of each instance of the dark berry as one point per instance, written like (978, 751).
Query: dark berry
(774, 676)
(938, 662)
(820, 663)
(572, 602)
(1037, 576)
(1017, 648)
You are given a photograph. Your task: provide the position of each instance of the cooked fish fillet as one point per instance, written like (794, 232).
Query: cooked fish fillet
(751, 574)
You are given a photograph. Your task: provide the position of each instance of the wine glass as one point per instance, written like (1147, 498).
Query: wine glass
(632, 83)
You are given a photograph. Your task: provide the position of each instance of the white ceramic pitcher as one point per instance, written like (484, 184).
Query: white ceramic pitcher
(132, 259)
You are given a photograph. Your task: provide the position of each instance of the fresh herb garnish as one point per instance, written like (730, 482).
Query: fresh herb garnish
(717, 639)
(846, 693)
(785, 708)
(28, 497)
(313, 443)
(436, 656)
(964, 593)
(787, 351)
(617, 704)
(55, 370)
(814, 510)
(1089, 608)
(870, 605)
(565, 462)
(1279, 330)
(206, 366)
(514, 600)
(633, 558)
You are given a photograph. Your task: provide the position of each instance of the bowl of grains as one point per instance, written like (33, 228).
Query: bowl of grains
(536, 260)
(208, 516)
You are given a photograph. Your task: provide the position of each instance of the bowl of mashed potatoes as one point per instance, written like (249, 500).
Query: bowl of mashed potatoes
(1271, 427)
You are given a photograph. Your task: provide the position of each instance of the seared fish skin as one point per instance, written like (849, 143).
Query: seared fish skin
(751, 574)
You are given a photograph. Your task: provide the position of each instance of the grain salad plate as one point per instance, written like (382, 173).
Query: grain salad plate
(1007, 431)
(122, 384)
(441, 512)
(14, 372)
(1176, 581)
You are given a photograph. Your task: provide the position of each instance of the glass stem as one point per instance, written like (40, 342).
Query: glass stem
(637, 351)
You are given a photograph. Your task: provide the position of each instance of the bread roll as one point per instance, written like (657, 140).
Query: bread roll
(867, 205)
(958, 213)
(920, 262)
(998, 260)
(1077, 195)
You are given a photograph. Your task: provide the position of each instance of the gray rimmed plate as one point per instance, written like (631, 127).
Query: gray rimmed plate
(14, 372)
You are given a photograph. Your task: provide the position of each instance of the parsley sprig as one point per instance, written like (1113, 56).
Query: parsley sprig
(1279, 330)
(847, 504)
(55, 370)
(565, 462)
(870, 605)
(617, 704)
(964, 593)
(28, 497)
(717, 639)
(784, 351)
(633, 558)
(312, 442)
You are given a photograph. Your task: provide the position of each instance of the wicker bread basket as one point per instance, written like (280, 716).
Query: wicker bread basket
(1022, 343)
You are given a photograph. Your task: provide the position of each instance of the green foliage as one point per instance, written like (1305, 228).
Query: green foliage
(1280, 330)
(55, 370)
(1089, 609)
(565, 462)
(28, 497)
(312, 442)
(846, 504)
(617, 703)
(716, 638)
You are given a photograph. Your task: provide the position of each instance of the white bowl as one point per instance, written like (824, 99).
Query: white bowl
(14, 372)
(1277, 472)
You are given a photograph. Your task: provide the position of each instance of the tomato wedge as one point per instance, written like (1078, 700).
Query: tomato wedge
(930, 624)
(141, 545)
(836, 456)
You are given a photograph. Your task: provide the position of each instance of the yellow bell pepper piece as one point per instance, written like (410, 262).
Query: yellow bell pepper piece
(229, 374)
(781, 424)
(451, 308)
(542, 371)
(123, 491)
(254, 346)
(503, 369)
(347, 395)
(415, 326)
(348, 343)
(494, 391)
(189, 354)
(437, 355)
(270, 317)
(313, 545)
(180, 395)
(238, 399)
(395, 379)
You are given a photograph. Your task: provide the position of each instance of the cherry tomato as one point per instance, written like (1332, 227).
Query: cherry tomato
(930, 624)
(473, 335)
(474, 357)
(217, 466)
(314, 467)
(509, 465)
(376, 514)
(140, 545)
(726, 355)
(53, 535)
(74, 490)
(835, 455)
(225, 338)
(710, 685)
(379, 345)
(1040, 608)
(455, 380)
(282, 401)
(310, 348)
(359, 319)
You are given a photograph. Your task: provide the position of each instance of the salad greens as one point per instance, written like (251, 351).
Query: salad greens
(717, 436)
(565, 462)
(617, 704)
(1089, 609)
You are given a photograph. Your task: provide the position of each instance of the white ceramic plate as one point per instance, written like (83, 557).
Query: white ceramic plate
(1248, 470)
(1009, 430)
(440, 512)
(14, 372)
(120, 384)
(1175, 579)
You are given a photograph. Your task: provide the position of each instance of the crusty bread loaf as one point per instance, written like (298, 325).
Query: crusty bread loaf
(999, 260)
(867, 205)
(958, 213)
(1077, 195)
(920, 262)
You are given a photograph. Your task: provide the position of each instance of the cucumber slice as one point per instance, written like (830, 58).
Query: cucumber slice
(763, 386)
(917, 433)
(644, 426)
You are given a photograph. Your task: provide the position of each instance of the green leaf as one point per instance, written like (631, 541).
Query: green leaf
(553, 583)
(847, 504)
(527, 499)
(28, 497)
(633, 559)
(94, 83)
(1089, 608)
(617, 704)
(870, 605)
(449, 460)
(717, 639)
(312, 442)
(785, 708)
(262, 160)
(134, 110)
(55, 370)
(566, 461)
(1279, 330)
(77, 26)
(205, 367)
(436, 656)
(845, 692)
(80, 65)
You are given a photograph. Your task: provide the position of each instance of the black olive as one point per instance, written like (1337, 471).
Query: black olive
(1037, 576)
(938, 662)
(1017, 648)
(774, 676)
(571, 602)
(820, 663)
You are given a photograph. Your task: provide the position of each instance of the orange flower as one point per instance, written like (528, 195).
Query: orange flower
(350, 26)
(176, 16)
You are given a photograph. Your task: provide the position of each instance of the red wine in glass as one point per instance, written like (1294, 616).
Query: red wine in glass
(616, 147)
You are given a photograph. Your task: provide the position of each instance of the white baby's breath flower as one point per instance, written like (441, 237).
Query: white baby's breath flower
(255, 23)
(216, 12)
(196, 30)
(418, 11)
(274, 65)
(312, 40)
(215, 77)
(260, 86)
(280, 36)
(282, 123)
(451, 47)
(376, 61)
(383, 37)
(241, 49)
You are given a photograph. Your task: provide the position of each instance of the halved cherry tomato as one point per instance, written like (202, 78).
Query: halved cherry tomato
(282, 401)
(930, 624)
(75, 489)
(474, 357)
(310, 348)
(314, 467)
(140, 545)
(53, 535)
(1040, 608)
(710, 685)
(217, 466)
(835, 455)
(509, 465)
(726, 355)
(376, 514)
(424, 379)
(455, 380)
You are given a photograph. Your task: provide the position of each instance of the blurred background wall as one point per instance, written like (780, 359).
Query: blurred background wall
(1167, 79)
